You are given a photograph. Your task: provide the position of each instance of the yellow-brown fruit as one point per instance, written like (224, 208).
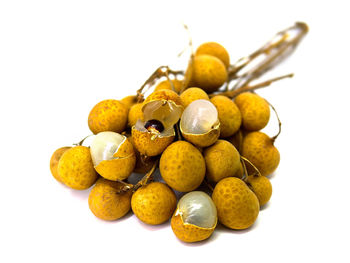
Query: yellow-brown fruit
(258, 148)
(216, 50)
(208, 73)
(182, 166)
(229, 115)
(254, 109)
(222, 160)
(192, 94)
(237, 206)
(56, 156)
(135, 113)
(108, 115)
(195, 217)
(237, 140)
(169, 84)
(129, 101)
(262, 188)
(154, 203)
(240, 172)
(105, 201)
(75, 168)
(113, 155)
(147, 144)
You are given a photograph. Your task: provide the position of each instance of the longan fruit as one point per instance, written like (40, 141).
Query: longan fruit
(262, 188)
(192, 94)
(254, 109)
(135, 113)
(56, 156)
(216, 50)
(169, 84)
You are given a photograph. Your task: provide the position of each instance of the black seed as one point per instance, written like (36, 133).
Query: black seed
(154, 125)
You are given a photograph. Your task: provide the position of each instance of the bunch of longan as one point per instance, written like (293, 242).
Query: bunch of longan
(205, 144)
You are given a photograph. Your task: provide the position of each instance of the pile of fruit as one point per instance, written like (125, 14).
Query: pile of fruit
(201, 128)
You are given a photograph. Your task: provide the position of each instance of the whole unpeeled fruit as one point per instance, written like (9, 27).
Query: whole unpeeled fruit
(258, 148)
(237, 206)
(216, 50)
(107, 202)
(262, 188)
(76, 169)
(208, 73)
(254, 109)
(135, 113)
(153, 203)
(222, 160)
(173, 84)
(229, 115)
(108, 115)
(192, 94)
(129, 101)
(182, 166)
(56, 156)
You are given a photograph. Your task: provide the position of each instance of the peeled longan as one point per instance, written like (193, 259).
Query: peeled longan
(182, 166)
(154, 203)
(258, 148)
(237, 206)
(173, 84)
(208, 73)
(222, 160)
(192, 94)
(262, 188)
(254, 109)
(75, 168)
(105, 201)
(108, 115)
(216, 50)
(229, 115)
(56, 156)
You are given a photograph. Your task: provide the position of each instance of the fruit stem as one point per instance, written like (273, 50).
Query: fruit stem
(126, 187)
(273, 53)
(279, 123)
(82, 141)
(252, 165)
(147, 177)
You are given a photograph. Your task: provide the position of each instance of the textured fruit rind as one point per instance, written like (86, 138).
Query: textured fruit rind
(165, 84)
(108, 115)
(222, 160)
(129, 101)
(56, 156)
(216, 50)
(154, 203)
(106, 203)
(254, 109)
(262, 188)
(165, 95)
(145, 145)
(258, 148)
(120, 168)
(203, 140)
(188, 232)
(76, 169)
(182, 166)
(135, 113)
(192, 94)
(237, 206)
(229, 115)
(208, 73)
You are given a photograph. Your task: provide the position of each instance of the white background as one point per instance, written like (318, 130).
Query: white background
(59, 58)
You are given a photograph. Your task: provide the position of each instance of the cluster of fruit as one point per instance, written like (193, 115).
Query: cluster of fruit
(197, 138)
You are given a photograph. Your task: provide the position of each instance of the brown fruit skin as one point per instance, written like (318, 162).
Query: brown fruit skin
(129, 101)
(135, 113)
(237, 206)
(192, 94)
(166, 84)
(56, 156)
(229, 115)
(203, 140)
(154, 203)
(216, 50)
(108, 115)
(182, 166)
(145, 145)
(258, 148)
(222, 160)
(76, 169)
(209, 73)
(187, 232)
(106, 203)
(254, 109)
(237, 140)
(164, 95)
(262, 188)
